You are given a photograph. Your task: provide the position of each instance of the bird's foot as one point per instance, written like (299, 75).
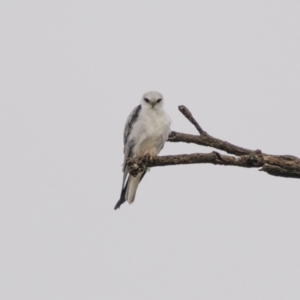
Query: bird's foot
(148, 157)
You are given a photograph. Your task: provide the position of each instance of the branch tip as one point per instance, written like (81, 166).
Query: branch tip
(185, 111)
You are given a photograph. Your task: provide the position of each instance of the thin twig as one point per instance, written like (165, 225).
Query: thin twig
(185, 111)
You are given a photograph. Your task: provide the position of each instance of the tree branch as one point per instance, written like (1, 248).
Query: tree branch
(276, 165)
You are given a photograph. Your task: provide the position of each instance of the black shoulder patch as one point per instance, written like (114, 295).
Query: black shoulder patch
(133, 119)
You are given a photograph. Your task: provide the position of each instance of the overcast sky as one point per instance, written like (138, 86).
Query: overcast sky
(71, 72)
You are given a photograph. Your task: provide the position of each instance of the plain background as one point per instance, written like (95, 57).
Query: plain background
(71, 72)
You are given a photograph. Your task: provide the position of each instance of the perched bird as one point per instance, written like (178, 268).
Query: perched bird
(146, 131)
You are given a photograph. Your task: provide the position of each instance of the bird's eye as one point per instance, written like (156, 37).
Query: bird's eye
(158, 100)
(147, 100)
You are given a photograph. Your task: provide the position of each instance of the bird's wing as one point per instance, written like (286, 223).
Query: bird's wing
(129, 143)
(128, 146)
(129, 123)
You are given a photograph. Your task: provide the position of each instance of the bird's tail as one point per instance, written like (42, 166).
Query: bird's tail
(129, 191)
(133, 183)
(122, 199)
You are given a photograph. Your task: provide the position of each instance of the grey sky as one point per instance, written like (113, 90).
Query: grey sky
(71, 72)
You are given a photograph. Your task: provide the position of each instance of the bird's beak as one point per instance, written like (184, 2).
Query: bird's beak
(153, 104)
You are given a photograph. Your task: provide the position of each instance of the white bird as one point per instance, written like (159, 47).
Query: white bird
(146, 130)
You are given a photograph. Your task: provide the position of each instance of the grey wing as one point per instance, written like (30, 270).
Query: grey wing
(129, 123)
(129, 144)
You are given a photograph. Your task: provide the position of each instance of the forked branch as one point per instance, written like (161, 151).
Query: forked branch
(276, 165)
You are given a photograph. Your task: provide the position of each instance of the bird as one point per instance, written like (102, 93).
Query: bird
(146, 130)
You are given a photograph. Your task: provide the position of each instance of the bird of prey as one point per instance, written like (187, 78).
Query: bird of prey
(146, 130)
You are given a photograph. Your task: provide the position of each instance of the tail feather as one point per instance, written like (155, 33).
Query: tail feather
(121, 201)
(133, 183)
(122, 197)
(129, 190)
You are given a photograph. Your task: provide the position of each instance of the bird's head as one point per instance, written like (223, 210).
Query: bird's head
(152, 100)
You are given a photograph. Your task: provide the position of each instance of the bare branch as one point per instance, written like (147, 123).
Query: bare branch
(253, 160)
(209, 141)
(276, 165)
(185, 111)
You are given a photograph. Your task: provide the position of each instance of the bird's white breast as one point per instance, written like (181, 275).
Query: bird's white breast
(150, 132)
